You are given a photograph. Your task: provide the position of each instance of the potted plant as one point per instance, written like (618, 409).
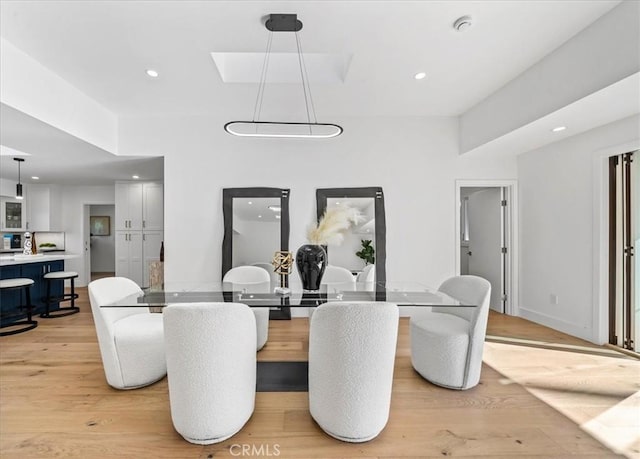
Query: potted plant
(367, 253)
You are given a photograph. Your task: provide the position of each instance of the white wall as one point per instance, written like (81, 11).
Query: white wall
(103, 248)
(602, 54)
(74, 199)
(255, 242)
(32, 88)
(8, 187)
(561, 229)
(414, 159)
(345, 254)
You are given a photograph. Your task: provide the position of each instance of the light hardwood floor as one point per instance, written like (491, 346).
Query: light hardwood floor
(54, 402)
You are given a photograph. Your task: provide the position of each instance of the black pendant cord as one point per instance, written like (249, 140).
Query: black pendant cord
(304, 87)
(304, 66)
(263, 80)
(309, 129)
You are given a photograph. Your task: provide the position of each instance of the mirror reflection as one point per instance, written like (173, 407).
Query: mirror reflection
(363, 251)
(256, 226)
(357, 250)
(256, 232)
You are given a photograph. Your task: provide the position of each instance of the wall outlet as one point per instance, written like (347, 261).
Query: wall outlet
(553, 298)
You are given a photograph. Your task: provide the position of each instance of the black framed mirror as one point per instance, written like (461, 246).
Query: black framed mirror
(256, 225)
(370, 202)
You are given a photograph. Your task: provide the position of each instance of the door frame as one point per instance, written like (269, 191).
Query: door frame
(511, 225)
(600, 244)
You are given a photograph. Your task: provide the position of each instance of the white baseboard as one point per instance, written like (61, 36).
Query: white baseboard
(557, 324)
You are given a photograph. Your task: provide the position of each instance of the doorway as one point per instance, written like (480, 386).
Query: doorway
(102, 243)
(485, 237)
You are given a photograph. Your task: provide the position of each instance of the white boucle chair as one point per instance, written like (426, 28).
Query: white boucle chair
(211, 363)
(352, 348)
(275, 279)
(253, 279)
(340, 276)
(447, 344)
(365, 281)
(131, 340)
(336, 277)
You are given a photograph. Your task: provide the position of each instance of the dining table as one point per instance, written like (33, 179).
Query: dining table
(286, 376)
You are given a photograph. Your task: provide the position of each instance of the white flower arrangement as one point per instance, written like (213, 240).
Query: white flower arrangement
(335, 222)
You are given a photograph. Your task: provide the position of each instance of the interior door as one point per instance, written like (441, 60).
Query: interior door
(484, 208)
(86, 245)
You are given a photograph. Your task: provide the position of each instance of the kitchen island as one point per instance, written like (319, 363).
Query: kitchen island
(32, 267)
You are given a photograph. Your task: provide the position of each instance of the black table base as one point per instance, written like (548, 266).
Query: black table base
(282, 377)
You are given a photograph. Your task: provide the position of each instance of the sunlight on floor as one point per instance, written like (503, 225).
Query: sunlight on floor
(597, 388)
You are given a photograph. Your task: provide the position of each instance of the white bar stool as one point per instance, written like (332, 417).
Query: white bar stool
(24, 284)
(66, 311)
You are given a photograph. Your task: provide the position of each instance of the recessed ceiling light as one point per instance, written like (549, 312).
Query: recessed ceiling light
(559, 128)
(35, 178)
(153, 73)
(259, 216)
(462, 23)
(419, 75)
(278, 216)
(275, 208)
(250, 203)
(136, 177)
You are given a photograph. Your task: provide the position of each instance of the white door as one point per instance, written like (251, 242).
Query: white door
(128, 206)
(151, 241)
(152, 206)
(86, 243)
(136, 260)
(485, 240)
(122, 254)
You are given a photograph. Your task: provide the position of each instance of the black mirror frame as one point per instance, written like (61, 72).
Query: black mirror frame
(227, 244)
(375, 192)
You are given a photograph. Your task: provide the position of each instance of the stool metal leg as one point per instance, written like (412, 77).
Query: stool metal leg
(60, 312)
(48, 300)
(29, 322)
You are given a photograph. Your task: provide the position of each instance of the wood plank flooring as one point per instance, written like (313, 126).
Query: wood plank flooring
(54, 402)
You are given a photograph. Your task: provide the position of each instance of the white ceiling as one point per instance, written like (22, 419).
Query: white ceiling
(362, 56)
(59, 158)
(103, 48)
(256, 209)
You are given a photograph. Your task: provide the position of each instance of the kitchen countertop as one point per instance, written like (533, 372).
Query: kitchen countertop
(19, 259)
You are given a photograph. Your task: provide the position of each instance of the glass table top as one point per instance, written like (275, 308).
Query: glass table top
(268, 295)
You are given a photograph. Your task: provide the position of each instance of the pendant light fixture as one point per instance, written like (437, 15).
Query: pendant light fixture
(311, 128)
(19, 185)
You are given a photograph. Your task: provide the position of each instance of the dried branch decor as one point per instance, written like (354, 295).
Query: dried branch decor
(334, 223)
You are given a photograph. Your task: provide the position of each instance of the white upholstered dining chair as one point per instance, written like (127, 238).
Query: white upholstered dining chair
(447, 343)
(253, 279)
(131, 340)
(365, 280)
(336, 277)
(352, 348)
(211, 363)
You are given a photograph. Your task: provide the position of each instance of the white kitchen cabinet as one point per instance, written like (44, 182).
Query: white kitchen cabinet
(129, 256)
(12, 214)
(151, 242)
(128, 206)
(135, 250)
(152, 207)
(139, 228)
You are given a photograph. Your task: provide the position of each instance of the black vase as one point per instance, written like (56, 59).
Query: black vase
(311, 261)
